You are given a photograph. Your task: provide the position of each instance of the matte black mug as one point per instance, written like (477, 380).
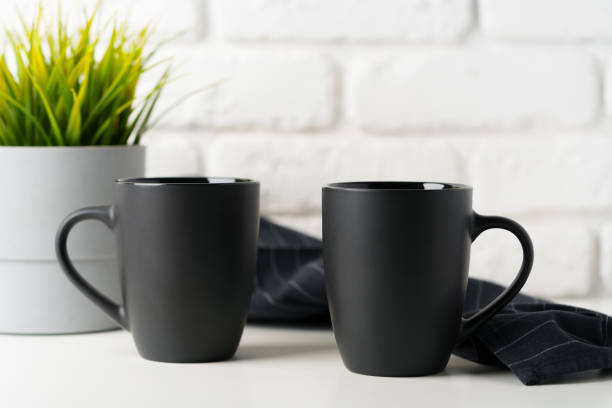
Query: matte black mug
(396, 258)
(187, 249)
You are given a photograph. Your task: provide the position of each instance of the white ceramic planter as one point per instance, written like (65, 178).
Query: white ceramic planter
(39, 186)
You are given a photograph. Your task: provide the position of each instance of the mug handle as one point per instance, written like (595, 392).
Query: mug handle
(481, 223)
(104, 214)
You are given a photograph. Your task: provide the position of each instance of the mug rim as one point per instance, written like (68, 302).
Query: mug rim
(184, 181)
(381, 185)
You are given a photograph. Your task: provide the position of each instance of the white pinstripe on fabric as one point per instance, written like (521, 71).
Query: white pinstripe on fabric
(521, 337)
(556, 346)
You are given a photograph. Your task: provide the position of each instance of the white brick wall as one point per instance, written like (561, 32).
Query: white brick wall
(563, 265)
(476, 88)
(182, 18)
(324, 20)
(540, 175)
(173, 153)
(547, 19)
(512, 96)
(292, 170)
(276, 90)
(607, 88)
(605, 261)
(273, 89)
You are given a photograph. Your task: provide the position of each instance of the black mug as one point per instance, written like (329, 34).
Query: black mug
(187, 249)
(396, 258)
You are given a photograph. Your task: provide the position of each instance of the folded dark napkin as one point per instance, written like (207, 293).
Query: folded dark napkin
(537, 340)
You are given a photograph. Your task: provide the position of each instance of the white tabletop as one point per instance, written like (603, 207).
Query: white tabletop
(274, 367)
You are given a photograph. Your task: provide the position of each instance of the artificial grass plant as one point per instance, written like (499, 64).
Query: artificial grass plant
(75, 89)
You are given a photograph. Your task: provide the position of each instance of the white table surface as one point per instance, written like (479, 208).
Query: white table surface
(274, 367)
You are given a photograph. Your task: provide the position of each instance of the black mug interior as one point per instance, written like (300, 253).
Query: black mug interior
(395, 185)
(183, 180)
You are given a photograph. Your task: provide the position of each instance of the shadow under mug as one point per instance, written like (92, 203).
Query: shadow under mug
(187, 255)
(396, 258)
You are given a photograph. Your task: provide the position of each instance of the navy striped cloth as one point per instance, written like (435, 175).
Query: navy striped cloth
(538, 341)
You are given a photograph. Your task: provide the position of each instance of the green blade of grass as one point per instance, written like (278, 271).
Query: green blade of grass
(50, 116)
(98, 135)
(28, 114)
(74, 122)
(72, 87)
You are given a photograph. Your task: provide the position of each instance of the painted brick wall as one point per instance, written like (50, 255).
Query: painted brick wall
(512, 96)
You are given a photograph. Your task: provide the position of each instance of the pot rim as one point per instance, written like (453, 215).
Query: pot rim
(99, 147)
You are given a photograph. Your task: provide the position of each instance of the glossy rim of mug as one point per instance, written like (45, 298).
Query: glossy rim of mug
(185, 181)
(354, 186)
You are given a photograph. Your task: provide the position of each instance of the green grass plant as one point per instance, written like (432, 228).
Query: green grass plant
(61, 88)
